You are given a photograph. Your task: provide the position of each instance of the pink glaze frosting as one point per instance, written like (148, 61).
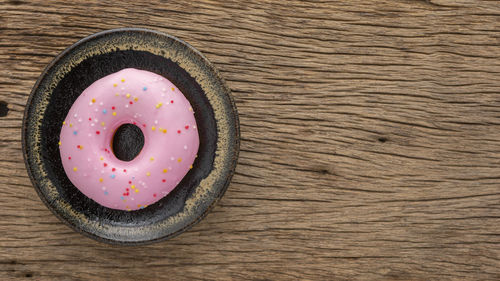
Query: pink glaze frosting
(171, 140)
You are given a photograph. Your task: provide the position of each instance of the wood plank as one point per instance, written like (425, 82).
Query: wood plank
(370, 141)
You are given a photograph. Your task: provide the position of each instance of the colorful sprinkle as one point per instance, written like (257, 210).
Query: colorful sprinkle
(187, 127)
(75, 169)
(100, 179)
(165, 170)
(114, 85)
(75, 133)
(173, 89)
(148, 174)
(102, 124)
(70, 125)
(123, 80)
(64, 122)
(106, 193)
(127, 95)
(179, 160)
(190, 166)
(114, 113)
(136, 99)
(151, 159)
(112, 176)
(159, 105)
(93, 100)
(102, 158)
(164, 131)
(163, 180)
(136, 190)
(172, 101)
(104, 111)
(113, 107)
(178, 131)
(145, 88)
(69, 158)
(97, 132)
(153, 128)
(59, 143)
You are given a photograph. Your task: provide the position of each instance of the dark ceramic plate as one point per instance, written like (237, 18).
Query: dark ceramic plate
(104, 53)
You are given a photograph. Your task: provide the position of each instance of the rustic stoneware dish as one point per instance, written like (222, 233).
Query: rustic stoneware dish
(104, 53)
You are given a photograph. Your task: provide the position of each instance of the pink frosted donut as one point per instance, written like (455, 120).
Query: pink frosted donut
(171, 140)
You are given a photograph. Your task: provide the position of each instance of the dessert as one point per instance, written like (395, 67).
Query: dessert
(166, 119)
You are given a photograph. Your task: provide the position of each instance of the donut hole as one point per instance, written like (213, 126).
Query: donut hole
(128, 142)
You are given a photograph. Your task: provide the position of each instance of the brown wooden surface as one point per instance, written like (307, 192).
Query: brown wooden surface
(370, 141)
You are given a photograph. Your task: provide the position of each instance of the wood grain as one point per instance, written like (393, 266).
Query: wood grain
(370, 141)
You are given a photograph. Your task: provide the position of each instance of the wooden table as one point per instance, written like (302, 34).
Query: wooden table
(370, 141)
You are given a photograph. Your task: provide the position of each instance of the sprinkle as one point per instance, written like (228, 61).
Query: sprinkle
(102, 158)
(117, 94)
(137, 190)
(148, 174)
(190, 109)
(93, 100)
(123, 80)
(112, 176)
(69, 158)
(151, 159)
(105, 164)
(104, 111)
(113, 107)
(154, 194)
(136, 99)
(64, 122)
(187, 127)
(100, 179)
(159, 105)
(70, 125)
(114, 85)
(163, 180)
(124, 170)
(75, 169)
(178, 131)
(164, 131)
(113, 169)
(173, 89)
(153, 128)
(102, 124)
(165, 170)
(172, 101)
(79, 146)
(190, 166)
(127, 95)
(106, 193)
(131, 102)
(114, 113)
(145, 88)
(97, 132)
(59, 143)
(132, 186)
(179, 160)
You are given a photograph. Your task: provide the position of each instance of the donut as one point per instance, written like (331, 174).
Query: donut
(164, 116)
